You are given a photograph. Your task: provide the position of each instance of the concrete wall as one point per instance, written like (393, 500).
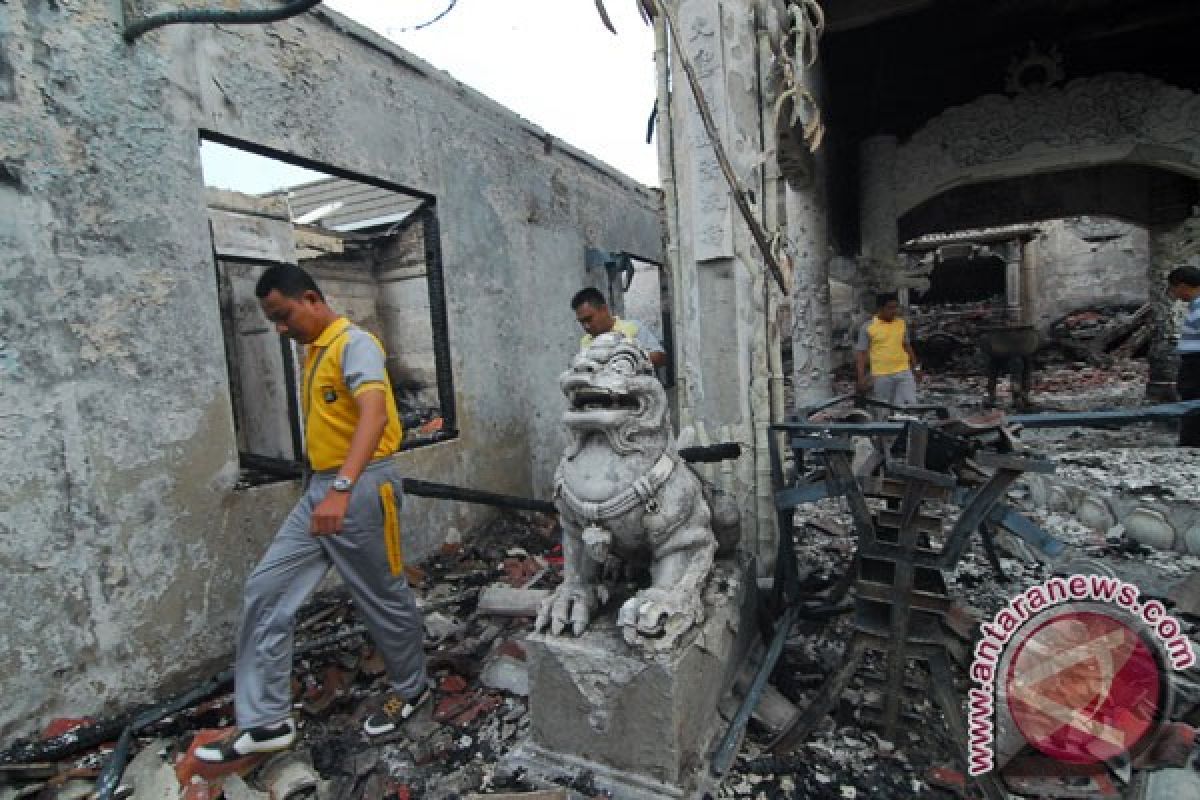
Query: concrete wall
(122, 535)
(1079, 265)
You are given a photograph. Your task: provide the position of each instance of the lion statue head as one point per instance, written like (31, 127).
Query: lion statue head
(611, 389)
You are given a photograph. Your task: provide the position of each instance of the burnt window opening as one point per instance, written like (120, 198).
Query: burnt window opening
(973, 279)
(375, 251)
(648, 300)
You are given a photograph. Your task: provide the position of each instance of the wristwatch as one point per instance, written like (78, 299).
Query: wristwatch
(342, 484)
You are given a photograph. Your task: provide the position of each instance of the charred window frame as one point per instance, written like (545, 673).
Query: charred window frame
(621, 276)
(390, 261)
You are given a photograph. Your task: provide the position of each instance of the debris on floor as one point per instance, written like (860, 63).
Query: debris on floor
(479, 592)
(449, 749)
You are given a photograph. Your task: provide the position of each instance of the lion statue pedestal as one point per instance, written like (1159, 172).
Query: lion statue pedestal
(643, 723)
(626, 676)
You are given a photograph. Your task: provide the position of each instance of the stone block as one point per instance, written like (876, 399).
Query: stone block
(507, 674)
(642, 722)
(1057, 499)
(1191, 540)
(1095, 512)
(1151, 528)
(1039, 492)
(504, 601)
(153, 777)
(1122, 505)
(1075, 495)
(1171, 784)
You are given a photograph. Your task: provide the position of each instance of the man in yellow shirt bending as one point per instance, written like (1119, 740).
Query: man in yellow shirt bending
(883, 343)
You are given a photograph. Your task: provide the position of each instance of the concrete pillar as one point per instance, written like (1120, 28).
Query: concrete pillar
(719, 269)
(1012, 280)
(812, 313)
(878, 231)
(1029, 310)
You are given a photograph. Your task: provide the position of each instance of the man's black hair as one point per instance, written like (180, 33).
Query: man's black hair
(1188, 276)
(289, 280)
(884, 298)
(591, 295)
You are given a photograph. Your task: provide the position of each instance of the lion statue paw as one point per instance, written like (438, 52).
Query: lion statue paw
(658, 614)
(571, 605)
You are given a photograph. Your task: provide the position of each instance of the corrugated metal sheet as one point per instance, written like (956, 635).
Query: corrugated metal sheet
(362, 206)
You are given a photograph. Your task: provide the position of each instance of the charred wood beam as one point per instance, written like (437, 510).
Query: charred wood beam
(86, 738)
(444, 491)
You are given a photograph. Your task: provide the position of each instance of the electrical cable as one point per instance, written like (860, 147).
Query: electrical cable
(195, 16)
(426, 24)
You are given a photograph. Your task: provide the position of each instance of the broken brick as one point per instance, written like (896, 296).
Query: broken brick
(373, 665)
(60, 725)
(520, 571)
(449, 707)
(334, 683)
(200, 789)
(949, 779)
(415, 575)
(512, 648)
(475, 709)
(452, 684)
(1172, 747)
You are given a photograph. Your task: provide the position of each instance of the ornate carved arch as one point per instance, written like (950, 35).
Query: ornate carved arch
(1105, 119)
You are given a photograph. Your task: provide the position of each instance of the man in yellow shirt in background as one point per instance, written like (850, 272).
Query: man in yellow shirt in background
(592, 312)
(347, 519)
(884, 346)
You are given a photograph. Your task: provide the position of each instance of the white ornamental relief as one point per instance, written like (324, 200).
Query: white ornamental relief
(1046, 128)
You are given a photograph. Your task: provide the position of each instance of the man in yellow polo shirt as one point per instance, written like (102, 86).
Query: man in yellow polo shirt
(883, 346)
(591, 311)
(347, 519)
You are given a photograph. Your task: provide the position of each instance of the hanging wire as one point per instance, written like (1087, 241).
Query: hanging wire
(410, 28)
(195, 16)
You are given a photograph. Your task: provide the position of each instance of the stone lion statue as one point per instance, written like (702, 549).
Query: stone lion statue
(623, 493)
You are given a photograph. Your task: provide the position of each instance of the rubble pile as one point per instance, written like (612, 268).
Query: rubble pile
(1137, 460)
(946, 336)
(1156, 473)
(1077, 386)
(479, 595)
(449, 750)
(1094, 334)
(1071, 386)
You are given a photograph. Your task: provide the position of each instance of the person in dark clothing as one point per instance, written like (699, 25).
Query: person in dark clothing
(1183, 283)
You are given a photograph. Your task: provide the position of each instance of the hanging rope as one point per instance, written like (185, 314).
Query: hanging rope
(807, 28)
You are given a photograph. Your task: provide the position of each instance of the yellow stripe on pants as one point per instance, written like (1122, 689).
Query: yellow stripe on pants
(391, 528)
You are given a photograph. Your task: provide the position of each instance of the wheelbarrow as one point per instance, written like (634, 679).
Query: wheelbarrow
(1010, 349)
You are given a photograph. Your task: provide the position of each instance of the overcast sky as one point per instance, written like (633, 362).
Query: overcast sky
(551, 61)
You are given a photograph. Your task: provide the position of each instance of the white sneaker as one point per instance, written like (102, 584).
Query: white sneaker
(395, 712)
(242, 743)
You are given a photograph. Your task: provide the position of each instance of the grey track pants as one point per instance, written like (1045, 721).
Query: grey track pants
(291, 570)
(899, 389)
